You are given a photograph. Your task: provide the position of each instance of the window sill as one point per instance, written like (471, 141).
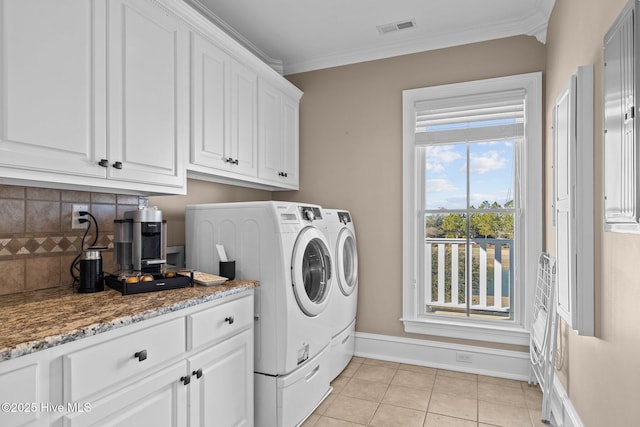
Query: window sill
(468, 330)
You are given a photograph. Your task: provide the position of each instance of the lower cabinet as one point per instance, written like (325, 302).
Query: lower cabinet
(191, 367)
(221, 392)
(157, 400)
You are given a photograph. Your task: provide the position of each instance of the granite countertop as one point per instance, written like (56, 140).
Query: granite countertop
(38, 320)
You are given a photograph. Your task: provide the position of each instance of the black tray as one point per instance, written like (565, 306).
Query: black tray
(160, 283)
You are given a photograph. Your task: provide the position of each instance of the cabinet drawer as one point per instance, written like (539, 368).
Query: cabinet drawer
(103, 365)
(219, 322)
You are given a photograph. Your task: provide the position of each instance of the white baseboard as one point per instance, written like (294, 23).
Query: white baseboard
(483, 361)
(563, 412)
(436, 354)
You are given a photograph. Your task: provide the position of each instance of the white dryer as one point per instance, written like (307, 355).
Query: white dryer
(283, 245)
(344, 298)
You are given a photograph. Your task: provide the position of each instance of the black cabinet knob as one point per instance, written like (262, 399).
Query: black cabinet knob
(141, 355)
(104, 163)
(229, 320)
(235, 162)
(197, 373)
(117, 165)
(186, 379)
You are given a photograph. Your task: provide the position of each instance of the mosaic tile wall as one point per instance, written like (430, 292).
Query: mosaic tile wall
(37, 243)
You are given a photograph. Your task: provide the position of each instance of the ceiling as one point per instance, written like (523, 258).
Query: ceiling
(302, 35)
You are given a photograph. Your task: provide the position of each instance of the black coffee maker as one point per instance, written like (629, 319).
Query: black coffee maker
(140, 240)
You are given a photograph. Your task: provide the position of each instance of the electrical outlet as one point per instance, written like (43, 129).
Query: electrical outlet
(75, 224)
(464, 357)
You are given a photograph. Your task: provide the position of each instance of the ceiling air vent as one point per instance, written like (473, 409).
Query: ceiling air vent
(396, 26)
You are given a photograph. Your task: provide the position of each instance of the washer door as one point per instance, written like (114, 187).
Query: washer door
(311, 271)
(347, 261)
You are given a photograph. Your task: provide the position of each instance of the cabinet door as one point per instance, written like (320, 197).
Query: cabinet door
(243, 148)
(210, 108)
(223, 395)
(158, 400)
(290, 142)
(270, 132)
(277, 136)
(620, 151)
(52, 86)
(573, 178)
(565, 187)
(19, 389)
(148, 93)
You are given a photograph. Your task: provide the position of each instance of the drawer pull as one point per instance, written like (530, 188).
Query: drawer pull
(186, 379)
(197, 373)
(141, 355)
(229, 320)
(312, 374)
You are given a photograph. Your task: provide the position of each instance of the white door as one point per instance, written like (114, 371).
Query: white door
(346, 262)
(52, 86)
(311, 271)
(222, 383)
(210, 105)
(148, 93)
(564, 162)
(243, 149)
(157, 400)
(270, 132)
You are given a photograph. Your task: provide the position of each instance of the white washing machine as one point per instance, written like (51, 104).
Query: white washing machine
(343, 304)
(283, 245)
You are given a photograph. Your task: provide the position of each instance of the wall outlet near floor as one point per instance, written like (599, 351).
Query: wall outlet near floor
(464, 357)
(75, 210)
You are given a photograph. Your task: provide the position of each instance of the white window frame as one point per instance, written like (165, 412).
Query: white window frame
(530, 215)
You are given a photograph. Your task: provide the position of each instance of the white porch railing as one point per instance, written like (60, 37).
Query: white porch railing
(446, 275)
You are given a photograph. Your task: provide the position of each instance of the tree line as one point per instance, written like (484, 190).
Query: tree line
(486, 225)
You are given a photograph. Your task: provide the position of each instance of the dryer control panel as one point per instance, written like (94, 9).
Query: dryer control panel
(310, 213)
(344, 217)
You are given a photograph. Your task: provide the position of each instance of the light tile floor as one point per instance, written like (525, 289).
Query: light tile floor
(388, 394)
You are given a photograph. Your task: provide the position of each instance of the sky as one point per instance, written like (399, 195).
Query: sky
(491, 174)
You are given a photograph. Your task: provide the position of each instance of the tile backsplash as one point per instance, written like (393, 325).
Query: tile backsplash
(37, 242)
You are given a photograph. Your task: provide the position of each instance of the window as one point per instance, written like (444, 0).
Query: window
(472, 207)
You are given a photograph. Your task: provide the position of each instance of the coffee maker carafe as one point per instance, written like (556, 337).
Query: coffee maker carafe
(140, 240)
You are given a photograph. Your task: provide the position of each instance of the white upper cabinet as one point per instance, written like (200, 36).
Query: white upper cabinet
(148, 93)
(71, 119)
(621, 188)
(52, 88)
(278, 136)
(244, 127)
(223, 133)
(115, 94)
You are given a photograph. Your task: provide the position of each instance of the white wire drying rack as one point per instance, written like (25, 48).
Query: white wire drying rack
(542, 346)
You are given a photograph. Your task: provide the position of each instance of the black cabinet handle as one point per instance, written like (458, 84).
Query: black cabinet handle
(229, 320)
(197, 373)
(117, 165)
(141, 355)
(186, 379)
(235, 162)
(104, 163)
(282, 174)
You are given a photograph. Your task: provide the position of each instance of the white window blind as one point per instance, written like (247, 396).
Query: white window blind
(480, 117)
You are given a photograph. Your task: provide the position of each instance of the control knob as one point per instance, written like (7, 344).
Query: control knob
(309, 215)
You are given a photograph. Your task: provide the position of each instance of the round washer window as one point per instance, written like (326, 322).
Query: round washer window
(311, 271)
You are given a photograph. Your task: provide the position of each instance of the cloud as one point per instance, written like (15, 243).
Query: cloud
(487, 162)
(439, 155)
(439, 186)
